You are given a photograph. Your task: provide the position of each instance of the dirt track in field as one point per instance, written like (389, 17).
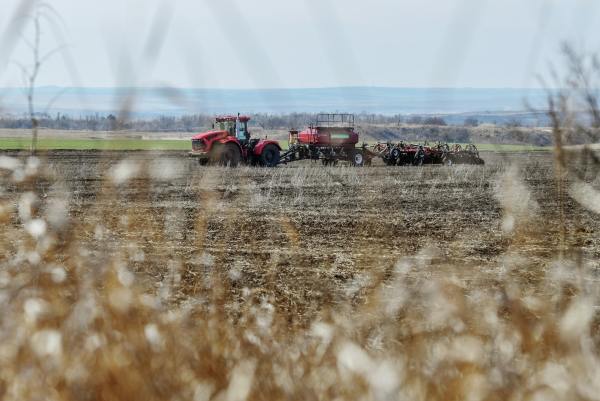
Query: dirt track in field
(304, 235)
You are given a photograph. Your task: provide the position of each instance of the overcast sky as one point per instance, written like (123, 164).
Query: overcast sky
(306, 43)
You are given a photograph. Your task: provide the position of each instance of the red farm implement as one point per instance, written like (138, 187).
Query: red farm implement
(331, 139)
(400, 154)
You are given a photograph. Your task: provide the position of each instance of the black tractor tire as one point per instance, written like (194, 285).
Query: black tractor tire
(227, 155)
(357, 158)
(270, 156)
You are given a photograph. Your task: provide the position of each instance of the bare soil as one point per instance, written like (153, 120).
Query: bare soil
(305, 236)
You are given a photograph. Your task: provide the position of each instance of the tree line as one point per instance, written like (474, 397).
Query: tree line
(195, 122)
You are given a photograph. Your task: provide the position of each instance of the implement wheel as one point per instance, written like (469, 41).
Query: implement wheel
(357, 158)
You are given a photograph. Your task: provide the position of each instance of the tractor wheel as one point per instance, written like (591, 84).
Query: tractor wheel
(227, 155)
(270, 156)
(357, 158)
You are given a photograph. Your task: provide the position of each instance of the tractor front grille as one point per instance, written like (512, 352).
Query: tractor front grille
(198, 145)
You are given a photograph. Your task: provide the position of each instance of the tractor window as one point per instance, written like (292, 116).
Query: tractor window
(228, 126)
(242, 131)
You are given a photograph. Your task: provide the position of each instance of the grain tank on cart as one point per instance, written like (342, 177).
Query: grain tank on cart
(330, 139)
(229, 143)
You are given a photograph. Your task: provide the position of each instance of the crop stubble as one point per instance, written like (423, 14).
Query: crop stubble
(305, 236)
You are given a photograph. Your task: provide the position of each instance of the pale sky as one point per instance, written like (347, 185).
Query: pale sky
(306, 43)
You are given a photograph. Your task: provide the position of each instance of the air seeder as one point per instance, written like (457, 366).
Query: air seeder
(332, 138)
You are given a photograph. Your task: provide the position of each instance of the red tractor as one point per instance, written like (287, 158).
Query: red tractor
(229, 143)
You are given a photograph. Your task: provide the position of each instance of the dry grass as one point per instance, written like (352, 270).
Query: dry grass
(101, 301)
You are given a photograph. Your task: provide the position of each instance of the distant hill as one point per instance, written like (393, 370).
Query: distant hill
(487, 104)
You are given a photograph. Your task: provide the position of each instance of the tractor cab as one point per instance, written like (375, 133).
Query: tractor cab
(234, 126)
(241, 131)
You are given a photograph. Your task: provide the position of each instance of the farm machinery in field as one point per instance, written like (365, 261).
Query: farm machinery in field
(332, 138)
(400, 154)
(230, 143)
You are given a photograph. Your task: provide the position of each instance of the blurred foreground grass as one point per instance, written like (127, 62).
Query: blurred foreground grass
(136, 278)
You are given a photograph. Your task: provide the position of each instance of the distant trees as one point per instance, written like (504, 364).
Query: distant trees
(471, 122)
(112, 122)
(184, 123)
(196, 122)
(414, 120)
(434, 121)
(514, 123)
(427, 120)
(64, 122)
